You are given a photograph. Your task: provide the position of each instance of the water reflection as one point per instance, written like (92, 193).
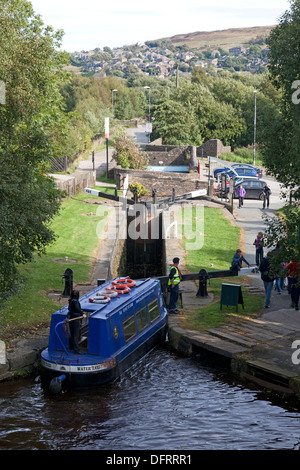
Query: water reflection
(163, 402)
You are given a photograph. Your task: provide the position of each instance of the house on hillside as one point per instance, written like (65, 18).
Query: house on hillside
(237, 50)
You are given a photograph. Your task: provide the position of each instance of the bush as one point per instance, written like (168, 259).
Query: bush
(127, 152)
(141, 190)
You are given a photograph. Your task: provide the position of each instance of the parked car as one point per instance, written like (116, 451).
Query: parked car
(220, 170)
(239, 165)
(243, 169)
(254, 187)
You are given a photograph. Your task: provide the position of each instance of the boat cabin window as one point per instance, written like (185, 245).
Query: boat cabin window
(153, 310)
(129, 328)
(142, 319)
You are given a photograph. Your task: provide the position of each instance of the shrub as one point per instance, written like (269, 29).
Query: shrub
(127, 152)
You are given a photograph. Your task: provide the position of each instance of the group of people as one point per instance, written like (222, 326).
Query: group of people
(241, 192)
(289, 270)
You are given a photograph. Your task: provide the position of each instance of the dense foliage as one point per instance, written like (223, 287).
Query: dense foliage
(282, 141)
(32, 122)
(215, 107)
(89, 101)
(127, 153)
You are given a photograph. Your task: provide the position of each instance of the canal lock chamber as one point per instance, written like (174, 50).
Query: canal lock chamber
(144, 248)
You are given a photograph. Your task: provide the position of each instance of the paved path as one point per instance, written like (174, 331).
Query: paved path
(249, 217)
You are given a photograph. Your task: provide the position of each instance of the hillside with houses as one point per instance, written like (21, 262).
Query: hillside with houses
(168, 56)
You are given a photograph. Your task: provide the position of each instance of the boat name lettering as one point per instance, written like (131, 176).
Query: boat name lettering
(92, 367)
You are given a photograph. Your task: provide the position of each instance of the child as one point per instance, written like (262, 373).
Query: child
(259, 248)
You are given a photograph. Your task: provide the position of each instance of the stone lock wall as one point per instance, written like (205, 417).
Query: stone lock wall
(184, 154)
(163, 182)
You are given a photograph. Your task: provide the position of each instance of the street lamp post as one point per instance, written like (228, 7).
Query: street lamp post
(149, 117)
(112, 101)
(148, 88)
(254, 136)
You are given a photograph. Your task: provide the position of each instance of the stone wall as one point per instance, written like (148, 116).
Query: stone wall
(163, 182)
(212, 148)
(168, 155)
(183, 154)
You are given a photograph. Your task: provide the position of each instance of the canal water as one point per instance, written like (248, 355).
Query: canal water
(164, 402)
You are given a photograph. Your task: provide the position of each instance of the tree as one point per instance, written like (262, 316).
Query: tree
(283, 232)
(174, 122)
(281, 139)
(194, 116)
(32, 123)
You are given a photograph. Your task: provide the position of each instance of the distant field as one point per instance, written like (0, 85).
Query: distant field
(225, 38)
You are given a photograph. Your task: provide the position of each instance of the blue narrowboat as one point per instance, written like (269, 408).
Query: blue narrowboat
(124, 319)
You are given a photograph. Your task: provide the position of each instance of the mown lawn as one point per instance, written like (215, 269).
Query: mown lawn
(217, 239)
(211, 316)
(209, 238)
(77, 228)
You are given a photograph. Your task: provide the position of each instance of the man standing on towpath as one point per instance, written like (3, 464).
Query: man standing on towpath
(173, 283)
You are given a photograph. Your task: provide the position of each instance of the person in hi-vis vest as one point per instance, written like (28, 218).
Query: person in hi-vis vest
(173, 283)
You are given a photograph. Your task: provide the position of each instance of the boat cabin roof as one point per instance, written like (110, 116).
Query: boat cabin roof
(103, 310)
(114, 324)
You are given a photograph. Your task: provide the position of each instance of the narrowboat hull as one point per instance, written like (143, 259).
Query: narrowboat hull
(119, 332)
(87, 374)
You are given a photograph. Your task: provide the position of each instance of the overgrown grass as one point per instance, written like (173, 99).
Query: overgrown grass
(243, 155)
(76, 228)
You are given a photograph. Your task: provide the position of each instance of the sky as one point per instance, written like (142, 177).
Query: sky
(98, 23)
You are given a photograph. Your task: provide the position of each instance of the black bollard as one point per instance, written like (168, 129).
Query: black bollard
(68, 276)
(203, 276)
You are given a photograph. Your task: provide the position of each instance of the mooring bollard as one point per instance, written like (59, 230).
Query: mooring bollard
(203, 276)
(68, 276)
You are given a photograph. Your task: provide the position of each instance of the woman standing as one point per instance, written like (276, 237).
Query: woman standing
(241, 194)
(75, 311)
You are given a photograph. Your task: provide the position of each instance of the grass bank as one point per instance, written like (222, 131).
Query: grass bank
(216, 240)
(77, 228)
